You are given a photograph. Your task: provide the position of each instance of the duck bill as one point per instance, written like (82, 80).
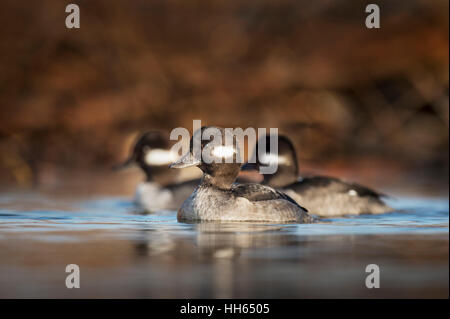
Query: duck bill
(186, 160)
(128, 162)
(249, 167)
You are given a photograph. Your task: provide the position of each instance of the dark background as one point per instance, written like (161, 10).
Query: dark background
(367, 104)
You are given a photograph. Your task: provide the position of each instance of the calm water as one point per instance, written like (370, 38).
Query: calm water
(124, 253)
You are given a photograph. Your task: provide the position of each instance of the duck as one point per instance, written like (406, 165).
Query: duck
(219, 198)
(322, 195)
(160, 190)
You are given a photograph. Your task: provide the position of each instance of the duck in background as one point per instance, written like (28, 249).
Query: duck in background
(160, 190)
(321, 195)
(219, 198)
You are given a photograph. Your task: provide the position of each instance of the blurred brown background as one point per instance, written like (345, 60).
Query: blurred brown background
(366, 104)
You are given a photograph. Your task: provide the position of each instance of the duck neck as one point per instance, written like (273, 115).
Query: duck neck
(159, 175)
(218, 182)
(221, 178)
(284, 176)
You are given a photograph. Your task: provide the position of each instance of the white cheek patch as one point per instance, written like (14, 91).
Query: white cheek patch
(223, 151)
(159, 157)
(273, 159)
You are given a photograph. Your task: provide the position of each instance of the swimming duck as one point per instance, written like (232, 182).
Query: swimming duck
(218, 198)
(321, 195)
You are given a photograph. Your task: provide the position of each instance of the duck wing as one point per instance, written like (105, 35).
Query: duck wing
(332, 184)
(257, 192)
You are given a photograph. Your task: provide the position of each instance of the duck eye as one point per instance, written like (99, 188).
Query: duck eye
(223, 151)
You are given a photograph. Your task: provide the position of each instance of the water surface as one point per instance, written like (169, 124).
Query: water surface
(122, 252)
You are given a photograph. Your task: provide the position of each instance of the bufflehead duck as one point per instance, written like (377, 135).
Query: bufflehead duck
(218, 198)
(151, 152)
(322, 195)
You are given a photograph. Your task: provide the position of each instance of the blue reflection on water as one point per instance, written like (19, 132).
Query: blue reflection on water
(411, 215)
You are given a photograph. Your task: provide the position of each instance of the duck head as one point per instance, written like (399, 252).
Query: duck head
(151, 152)
(215, 151)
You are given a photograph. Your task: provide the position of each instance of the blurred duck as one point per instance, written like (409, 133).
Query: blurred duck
(218, 198)
(321, 195)
(151, 152)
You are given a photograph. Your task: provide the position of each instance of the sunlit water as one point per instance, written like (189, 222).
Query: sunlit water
(124, 253)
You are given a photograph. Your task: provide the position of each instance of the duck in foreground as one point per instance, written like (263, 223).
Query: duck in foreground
(322, 195)
(151, 152)
(218, 198)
